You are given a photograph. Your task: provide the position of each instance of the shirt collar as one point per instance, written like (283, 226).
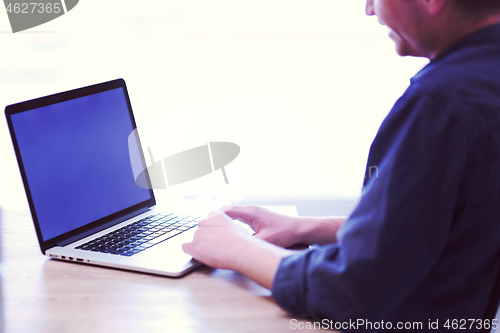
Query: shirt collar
(484, 36)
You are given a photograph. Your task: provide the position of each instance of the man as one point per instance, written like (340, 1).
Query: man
(423, 244)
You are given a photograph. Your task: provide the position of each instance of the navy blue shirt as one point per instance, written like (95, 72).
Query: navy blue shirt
(423, 244)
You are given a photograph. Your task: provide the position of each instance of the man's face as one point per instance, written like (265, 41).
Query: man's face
(404, 20)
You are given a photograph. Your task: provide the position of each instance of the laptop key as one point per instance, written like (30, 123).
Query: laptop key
(165, 237)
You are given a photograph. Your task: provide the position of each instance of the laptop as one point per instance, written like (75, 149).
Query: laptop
(73, 151)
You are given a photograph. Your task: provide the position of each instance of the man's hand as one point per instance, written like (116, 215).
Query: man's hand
(283, 230)
(219, 242)
(277, 229)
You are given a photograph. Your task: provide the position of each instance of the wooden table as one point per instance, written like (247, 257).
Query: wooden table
(43, 295)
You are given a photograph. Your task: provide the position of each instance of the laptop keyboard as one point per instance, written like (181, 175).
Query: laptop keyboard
(140, 235)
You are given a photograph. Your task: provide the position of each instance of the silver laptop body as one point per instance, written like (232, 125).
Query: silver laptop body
(73, 151)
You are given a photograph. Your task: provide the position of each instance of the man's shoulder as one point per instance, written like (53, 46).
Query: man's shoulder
(464, 85)
(472, 70)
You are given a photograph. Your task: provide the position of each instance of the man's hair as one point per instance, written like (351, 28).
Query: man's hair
(478, 7)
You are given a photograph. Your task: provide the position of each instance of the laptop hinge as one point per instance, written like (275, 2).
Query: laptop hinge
(102, 227)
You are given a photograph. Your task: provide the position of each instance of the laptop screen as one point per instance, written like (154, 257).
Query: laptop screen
(76, 161)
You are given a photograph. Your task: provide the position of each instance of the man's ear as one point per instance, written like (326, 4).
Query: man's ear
(434, 7)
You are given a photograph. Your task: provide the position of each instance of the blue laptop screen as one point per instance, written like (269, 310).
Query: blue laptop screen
(76, 159)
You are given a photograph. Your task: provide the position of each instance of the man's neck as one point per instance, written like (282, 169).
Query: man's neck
(459, 29)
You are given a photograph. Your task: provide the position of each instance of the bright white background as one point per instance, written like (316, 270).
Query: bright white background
(301, 86)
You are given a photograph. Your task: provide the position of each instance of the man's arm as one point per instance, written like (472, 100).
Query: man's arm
(221, 243)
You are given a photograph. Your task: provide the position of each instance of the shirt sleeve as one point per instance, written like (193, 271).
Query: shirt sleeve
(399, 228)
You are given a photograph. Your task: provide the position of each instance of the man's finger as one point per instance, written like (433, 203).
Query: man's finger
(203, 222)
(186, 247)
(245, 214)
(225, 208)
(214, 213)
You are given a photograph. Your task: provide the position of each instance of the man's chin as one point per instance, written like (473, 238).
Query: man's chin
(402, 49)
(399, 43)
(403, 52)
